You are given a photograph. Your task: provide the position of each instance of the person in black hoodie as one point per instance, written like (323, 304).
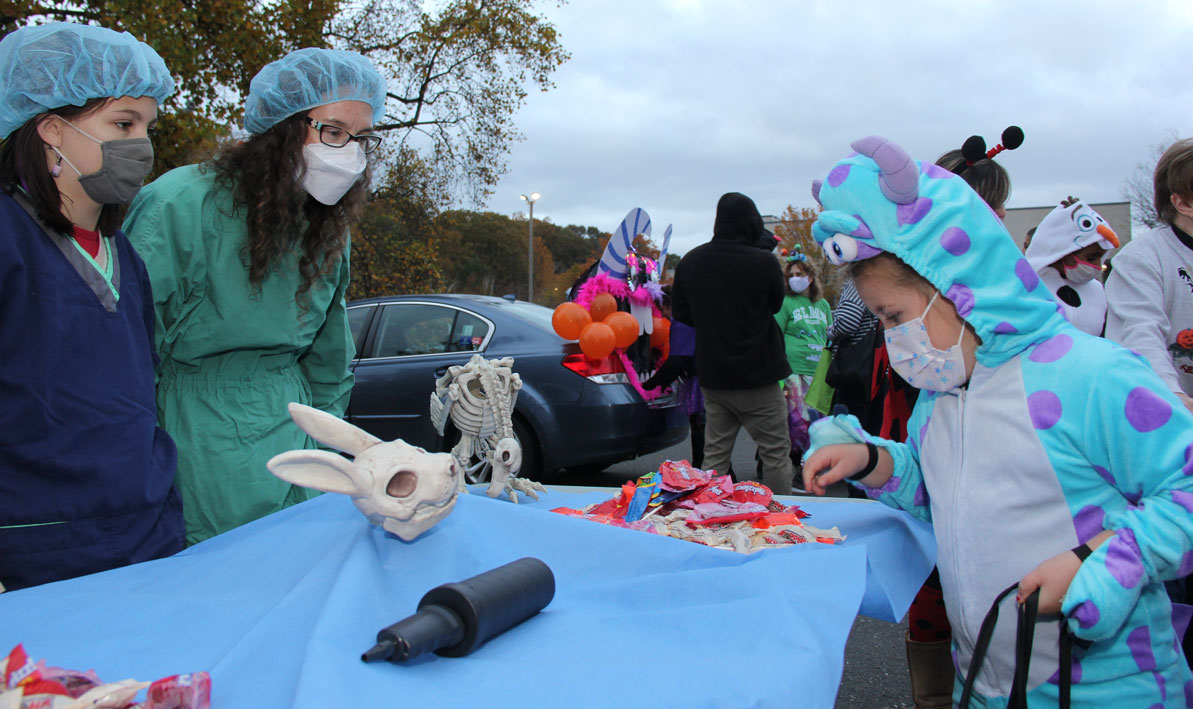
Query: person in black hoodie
(729, 290)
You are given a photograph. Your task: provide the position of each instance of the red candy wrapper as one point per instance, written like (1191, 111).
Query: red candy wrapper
(750, 491)
(683, 502)
(191, 691)
(724, 512)
(717, 490)
(32, 685)
(680, 476)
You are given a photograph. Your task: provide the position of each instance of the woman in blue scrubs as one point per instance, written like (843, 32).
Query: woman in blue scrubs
(86, 475)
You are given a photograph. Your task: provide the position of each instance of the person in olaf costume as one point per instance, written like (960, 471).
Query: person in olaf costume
(1067, 251)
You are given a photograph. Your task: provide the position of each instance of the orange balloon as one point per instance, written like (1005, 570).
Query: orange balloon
(597, 340)
(661, 334)
(625, 328)
(569, 320)
(602, 307)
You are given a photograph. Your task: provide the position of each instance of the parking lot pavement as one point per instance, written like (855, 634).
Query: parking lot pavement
(875, 674)
(613, 476)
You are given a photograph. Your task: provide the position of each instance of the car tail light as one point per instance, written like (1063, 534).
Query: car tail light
(602, 371)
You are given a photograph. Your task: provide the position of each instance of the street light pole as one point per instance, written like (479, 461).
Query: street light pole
(534, 196)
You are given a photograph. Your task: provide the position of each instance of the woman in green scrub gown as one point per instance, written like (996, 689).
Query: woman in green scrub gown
(248, 256)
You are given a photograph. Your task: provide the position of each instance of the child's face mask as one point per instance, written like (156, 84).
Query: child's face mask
(1082, 272)
(917, 360)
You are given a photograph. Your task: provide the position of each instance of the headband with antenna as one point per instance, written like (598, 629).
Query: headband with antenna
(974, 148)
(794, 255)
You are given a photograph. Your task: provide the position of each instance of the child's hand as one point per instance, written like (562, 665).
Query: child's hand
(1052, 577)
(830, 464)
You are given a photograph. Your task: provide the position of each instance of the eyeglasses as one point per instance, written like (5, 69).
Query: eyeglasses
(337, 137)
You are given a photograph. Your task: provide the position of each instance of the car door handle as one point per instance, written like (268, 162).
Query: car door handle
(440, 372)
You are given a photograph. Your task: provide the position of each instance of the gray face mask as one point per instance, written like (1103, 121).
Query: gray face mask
(125, 165)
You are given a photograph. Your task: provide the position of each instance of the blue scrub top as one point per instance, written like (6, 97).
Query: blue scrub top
(86, 475)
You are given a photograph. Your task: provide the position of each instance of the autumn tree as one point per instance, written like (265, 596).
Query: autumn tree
(482, 252)
(1139, 187)
(212, 47)
(457, 73)
(457, 70)
(395, 249)
(795, 227)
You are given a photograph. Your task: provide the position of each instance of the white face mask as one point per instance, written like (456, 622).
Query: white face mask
(914, 357)
(1083, 272)
(331, 172)
(799, 284)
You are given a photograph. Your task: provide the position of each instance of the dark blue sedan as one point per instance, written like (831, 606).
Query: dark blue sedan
(572, 412)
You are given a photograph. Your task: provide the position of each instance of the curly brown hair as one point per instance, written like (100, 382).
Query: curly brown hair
(264, 173)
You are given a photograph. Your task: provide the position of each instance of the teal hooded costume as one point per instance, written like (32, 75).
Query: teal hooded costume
(1057, 436)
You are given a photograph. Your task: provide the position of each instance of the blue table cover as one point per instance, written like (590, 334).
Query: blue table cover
(279, 611)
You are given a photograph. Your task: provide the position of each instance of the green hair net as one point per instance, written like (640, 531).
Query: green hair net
(306, 78)
(65, 64)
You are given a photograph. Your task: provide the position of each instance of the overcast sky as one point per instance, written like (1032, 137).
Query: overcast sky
(667, 104)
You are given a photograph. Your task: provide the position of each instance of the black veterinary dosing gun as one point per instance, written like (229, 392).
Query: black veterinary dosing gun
(456, 618)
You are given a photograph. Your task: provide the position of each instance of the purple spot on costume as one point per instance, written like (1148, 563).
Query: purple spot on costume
(1188, 469)
(1055, 678)
(1187, 564)
(1044, 408)
(914, 212)
(1140, 642)
(1088, 522)
(1027, 274)
(1104, 473)
(1122, 559)
(1005, 328)
(955, 240)
(962, 297)
(1051, 349)
(837, 175)
(1184, 499)
(1146, 411)
(934, 171)
(862, 231)
(921, 496)
(1087, 614)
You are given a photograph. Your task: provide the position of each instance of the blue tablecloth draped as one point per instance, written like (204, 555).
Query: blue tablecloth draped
(279, 611)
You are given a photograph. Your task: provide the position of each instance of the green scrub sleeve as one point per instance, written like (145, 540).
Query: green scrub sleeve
(162, 228)
(325, 364)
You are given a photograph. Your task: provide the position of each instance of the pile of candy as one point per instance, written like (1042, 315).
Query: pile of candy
(31, 685)
(687, 503)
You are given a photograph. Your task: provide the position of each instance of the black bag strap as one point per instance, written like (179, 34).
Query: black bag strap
(1024, 637)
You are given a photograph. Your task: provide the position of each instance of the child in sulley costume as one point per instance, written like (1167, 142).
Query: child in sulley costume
(1049, 440)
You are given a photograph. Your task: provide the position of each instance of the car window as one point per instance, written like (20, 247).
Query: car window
(531, 313)
(469, 332)
(425, 328)
(358, 317)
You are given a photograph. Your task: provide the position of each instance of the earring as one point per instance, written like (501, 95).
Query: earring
(56, 169)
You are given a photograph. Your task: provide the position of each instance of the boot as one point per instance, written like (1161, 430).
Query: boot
(931, 668)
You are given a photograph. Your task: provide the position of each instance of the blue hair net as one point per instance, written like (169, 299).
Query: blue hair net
(64, 64)
(307, 78)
